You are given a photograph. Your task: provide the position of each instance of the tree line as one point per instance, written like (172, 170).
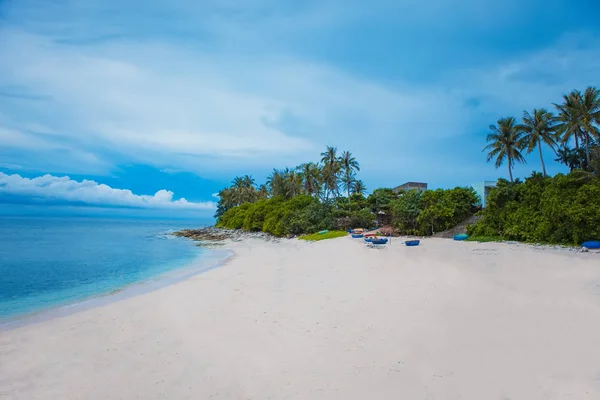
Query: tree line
(323, 180)
(328, 195)
(560, 209)
(572, 133)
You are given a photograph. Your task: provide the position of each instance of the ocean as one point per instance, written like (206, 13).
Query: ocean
(53, 262)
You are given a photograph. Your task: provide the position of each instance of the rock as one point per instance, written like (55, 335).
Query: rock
(584, 249)
(211, 236)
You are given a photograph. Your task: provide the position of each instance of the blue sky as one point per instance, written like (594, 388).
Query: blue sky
(183, 95)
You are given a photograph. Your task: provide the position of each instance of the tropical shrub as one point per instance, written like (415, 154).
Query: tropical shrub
(405, 211)
(563, 209)
(443, 209)
(234, 217)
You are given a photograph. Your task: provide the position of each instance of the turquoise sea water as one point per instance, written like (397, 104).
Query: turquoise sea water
(50, 262)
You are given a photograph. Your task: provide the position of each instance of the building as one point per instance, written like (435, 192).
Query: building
(483, 190)
(411, 186)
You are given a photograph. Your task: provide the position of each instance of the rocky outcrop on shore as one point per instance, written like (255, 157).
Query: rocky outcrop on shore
(214, 237)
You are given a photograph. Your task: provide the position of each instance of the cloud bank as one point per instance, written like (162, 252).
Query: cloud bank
(64, 189)
(222, 88)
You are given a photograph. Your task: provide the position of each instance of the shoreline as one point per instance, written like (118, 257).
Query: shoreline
(147, 285)
(213, 240)
(332, 319)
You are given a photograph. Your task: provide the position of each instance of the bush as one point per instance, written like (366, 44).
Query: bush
(405, 211)
(564, 209)
(301, 214)
(255, 215)
(234, 217)
(412, 212)
(432, 210)
(381, 200)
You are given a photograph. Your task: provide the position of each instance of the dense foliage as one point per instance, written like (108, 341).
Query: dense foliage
(326, 194)
(562, 209)
(411, 212)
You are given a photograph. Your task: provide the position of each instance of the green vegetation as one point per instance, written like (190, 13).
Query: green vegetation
(564, 209)
(308, 199)
(329, 235)
(322, 195)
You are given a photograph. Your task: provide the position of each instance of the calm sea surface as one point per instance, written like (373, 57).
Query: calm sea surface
(51, 262)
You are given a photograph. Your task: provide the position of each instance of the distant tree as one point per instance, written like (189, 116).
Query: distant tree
(349, 166)
(276, 183)
(505, 142)
(579, 117)
(569, 157)
(311, 178)
(292, 182)
(330, 171)
(358, 187)
(538, 128)
(381, 199)
(588, 108)
(568, 127)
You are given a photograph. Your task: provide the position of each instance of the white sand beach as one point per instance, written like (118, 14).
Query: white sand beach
(332, 320)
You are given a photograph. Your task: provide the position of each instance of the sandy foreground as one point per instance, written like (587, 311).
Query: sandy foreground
(332, 320)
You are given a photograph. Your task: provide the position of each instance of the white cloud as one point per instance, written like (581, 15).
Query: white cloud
(92, 193)
(165, 104)
(232, 87)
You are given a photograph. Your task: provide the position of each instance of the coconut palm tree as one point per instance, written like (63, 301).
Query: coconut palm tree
(276, 183)
(263, 192)
(226, 202)
(568, 121)
(311, 178)
(243, 190)
(588, 108)
(349, 166)
(330, 171)
(579, 116)
(358, 187)
(292, 182)
(505, 143)
(538, 128)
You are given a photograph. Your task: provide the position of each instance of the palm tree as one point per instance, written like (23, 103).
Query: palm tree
(505, 142)
(358, 187)
(579, 115)
(349, 166)
(292, 183)
(243, 190)
(588, 109)
(263, 192)
(311, 178)
(276, 184)
(568, 118)
(538, 128)
(330, 171)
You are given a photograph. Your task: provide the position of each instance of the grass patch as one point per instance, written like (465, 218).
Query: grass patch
(329, 235)
(485, 239)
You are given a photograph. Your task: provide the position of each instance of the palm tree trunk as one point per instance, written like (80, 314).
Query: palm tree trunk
(587, 150)
(510, 169)
(542, 159)
(577, 147)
